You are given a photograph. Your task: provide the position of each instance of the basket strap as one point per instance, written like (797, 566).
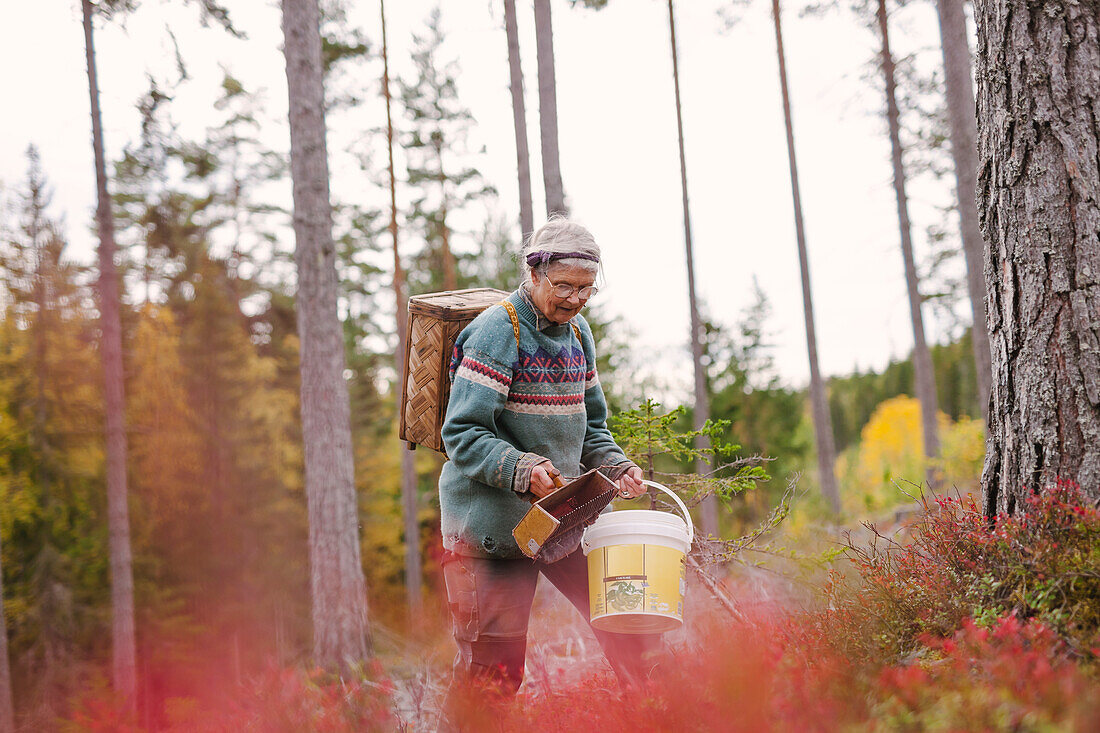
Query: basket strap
(515, 323)
(513, 317)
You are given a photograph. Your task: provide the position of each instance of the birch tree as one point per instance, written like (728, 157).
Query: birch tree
(1039, 206)
(341, 637)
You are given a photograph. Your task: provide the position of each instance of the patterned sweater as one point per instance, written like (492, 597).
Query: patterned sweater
(509, 408)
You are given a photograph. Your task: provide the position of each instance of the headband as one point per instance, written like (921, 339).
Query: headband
(535, 259)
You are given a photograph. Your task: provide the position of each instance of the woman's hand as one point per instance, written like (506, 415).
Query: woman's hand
(542, 479)
(630, 483)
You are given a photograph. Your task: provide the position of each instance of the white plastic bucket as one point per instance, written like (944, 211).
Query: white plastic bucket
(636, 568)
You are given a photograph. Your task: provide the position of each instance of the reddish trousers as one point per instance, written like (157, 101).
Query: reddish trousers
(490, 603)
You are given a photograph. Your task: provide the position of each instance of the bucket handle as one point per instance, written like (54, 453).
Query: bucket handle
(679, 503)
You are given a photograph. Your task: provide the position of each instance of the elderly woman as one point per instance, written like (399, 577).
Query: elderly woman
(519, 414)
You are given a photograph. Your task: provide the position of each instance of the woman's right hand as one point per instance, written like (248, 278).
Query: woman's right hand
(542, 479)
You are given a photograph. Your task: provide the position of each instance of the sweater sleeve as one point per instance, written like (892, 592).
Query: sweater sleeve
(481, 376)
(599, 447)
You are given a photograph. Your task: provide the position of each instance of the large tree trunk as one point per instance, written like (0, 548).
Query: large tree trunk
(408, 468)
(709, 517)
(964, 151)
(823, 424)
(118, 513)
(340, 633)
(548, 109)
(519, 119)
(7, 711)
(1039, 201)
(922, 358)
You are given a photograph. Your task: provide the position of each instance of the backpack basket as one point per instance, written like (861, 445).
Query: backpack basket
(435, 320)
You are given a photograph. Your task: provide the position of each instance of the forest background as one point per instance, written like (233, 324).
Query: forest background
(201, 193)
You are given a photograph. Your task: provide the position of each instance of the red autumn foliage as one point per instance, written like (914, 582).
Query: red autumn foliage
(971, 625)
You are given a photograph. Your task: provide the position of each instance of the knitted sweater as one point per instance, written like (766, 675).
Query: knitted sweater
(508, 407)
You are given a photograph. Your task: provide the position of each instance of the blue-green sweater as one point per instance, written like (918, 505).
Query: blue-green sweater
(509, 406)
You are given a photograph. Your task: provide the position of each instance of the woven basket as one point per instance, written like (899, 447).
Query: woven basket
(435, 320)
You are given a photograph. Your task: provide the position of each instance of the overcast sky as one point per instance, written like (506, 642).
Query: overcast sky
(619, 156)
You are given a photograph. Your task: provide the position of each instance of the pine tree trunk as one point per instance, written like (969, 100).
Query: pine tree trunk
(519, 119)
(964, 151)
(450, 269)
(548, 110)
(823, 425)
(341, 637)
(118, 513)
(408, 469)
(7, 711)
(1039, 202)
(709, 516)
(922, 357)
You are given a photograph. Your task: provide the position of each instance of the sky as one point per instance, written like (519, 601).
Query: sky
(617, 136)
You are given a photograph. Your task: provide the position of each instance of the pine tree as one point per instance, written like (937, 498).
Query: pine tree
(7, 710)
(338, 588)
(519, 121)
(548, 110)
(435, 143)
(1039, 206)
(819, 409)
(925, 376)
(701, 411)
(960, 112)
(122, 579)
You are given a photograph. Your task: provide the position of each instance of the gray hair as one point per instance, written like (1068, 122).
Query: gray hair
(560, 235)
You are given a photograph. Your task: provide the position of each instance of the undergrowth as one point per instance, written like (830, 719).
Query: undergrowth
(971, 624)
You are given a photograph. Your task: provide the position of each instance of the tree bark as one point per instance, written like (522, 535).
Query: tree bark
(1039, 203)
(922, 358)
(519, 119)
(7, 710)
(709, 516)
(964, 151)
(118, 513)
(341, 637)
(823, 425)
(548, 110)
(408, 469)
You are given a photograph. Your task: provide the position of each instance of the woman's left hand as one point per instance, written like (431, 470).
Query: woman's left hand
(630, 483)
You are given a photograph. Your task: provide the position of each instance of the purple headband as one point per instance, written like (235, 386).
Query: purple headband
(541, 258)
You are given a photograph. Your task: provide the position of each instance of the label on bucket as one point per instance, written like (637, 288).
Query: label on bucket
(642, 585)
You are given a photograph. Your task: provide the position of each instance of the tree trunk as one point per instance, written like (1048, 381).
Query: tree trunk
(964, 151)
(823, 425)
(548, 110)
(450, 270)
(922, 358)
(341, 637)
(1039, 202)
(709, 517)
(408, 468)
(118, 514)
(519, 119)
(7, 711)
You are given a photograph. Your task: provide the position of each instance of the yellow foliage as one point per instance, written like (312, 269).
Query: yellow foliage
(166, 449)
(889, 461)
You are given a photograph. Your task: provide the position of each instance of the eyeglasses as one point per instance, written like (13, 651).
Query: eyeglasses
(564, 291)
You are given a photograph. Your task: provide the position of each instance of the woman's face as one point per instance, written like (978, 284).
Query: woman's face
(560, 310)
